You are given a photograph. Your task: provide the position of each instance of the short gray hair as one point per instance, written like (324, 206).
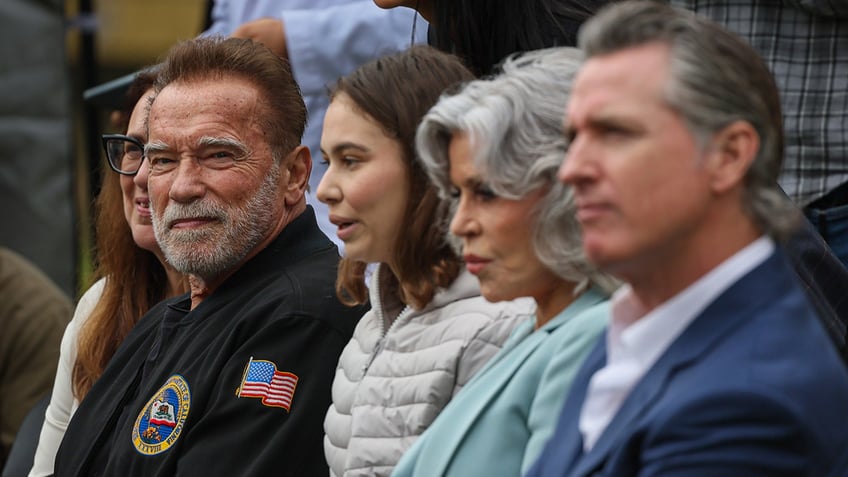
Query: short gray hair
(716, 78)
(514, 121)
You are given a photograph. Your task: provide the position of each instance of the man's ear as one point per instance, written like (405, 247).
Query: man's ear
(298, 166)
(731, 153)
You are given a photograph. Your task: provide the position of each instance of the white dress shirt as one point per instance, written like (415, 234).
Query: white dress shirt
(636, 339)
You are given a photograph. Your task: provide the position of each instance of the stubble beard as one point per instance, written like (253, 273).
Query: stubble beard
(211, 250)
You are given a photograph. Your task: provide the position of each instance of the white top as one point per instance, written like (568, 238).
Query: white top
(63, 404)
(396, 375)
(636, 339)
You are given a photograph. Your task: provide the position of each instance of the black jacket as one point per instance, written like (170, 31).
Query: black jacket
(169, 402)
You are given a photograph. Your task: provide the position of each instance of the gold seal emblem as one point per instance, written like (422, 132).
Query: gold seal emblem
(161, 420)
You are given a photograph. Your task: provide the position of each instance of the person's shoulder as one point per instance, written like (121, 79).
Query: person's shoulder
(747, 388)
(592, 317)
(308, 274)
(786, 322)
(22, 283)
(463, 299)
(92, 295)
(776, 355)
(15, 266)
(580, 330)
(475, 313)
(470, 320)
(765, 311)
(85, 306)
(304, 291)
(731, 426)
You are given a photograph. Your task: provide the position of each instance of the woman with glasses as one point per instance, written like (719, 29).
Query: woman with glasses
(132, 272)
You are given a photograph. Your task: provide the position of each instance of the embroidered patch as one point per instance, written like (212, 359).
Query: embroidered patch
(161, 421)
(262, 380)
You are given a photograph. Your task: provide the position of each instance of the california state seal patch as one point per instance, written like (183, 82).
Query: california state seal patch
(161, 421)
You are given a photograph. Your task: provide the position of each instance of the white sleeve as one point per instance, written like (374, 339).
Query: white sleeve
(326, 43)
(62, 402)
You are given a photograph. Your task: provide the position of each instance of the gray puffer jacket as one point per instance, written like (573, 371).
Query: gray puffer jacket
(395, 376)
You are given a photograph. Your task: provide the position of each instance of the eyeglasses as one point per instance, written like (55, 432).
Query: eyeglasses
(123, 152)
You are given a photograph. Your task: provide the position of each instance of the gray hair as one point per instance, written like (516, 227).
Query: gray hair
(514, 123)
(716, 78)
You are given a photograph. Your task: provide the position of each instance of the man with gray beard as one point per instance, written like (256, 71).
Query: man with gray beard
(233, 378)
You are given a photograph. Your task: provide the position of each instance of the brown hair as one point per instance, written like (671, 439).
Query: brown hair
(396, 91)
(136, 280)
(215, 57)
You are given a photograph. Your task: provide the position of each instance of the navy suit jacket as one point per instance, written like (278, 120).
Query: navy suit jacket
(753, 387)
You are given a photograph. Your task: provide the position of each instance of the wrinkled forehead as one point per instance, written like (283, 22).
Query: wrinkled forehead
(204, 108)
(227, 95)
(644, 66)
(630, 78)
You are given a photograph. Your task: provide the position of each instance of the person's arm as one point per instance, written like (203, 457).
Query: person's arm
(732, 434)
(326, 43)
(271, 32)
(331, 42)
(243, 436)
(62, 402)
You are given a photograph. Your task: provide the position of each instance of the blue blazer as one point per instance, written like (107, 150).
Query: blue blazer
(753, 387)
(499, 422)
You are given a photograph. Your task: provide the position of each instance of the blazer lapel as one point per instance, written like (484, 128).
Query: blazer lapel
(727, 312)
(566, 445)
(464, 420)
(506, 363)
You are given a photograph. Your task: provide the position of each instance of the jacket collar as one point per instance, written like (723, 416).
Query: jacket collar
(514, 362)
(383, 296)
(729, 311)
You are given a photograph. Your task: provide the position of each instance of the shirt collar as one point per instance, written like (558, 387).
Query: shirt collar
(637, 335)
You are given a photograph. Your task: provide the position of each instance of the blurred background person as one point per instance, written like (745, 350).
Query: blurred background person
(494, 149)
(33, 313)
(428, 330)
(131, 270)
(483, 32)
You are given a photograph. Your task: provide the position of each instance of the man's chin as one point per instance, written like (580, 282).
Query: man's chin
(190, 237)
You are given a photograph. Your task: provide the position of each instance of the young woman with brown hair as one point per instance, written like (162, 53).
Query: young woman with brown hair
(428, 330)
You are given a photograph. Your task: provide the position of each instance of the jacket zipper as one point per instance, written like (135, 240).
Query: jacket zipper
(383, 333)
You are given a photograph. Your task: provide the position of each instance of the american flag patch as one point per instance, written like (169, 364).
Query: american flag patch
(262, 380)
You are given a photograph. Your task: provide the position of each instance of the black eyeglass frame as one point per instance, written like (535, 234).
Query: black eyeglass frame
(105, 138)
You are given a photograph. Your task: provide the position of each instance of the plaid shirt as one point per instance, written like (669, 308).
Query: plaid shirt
(805, 43)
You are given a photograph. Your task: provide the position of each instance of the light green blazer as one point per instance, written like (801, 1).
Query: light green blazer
(500, 421)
